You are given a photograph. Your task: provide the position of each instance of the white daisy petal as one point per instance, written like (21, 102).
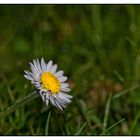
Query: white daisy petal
(42, 94)
(65, 99)
(49, 65)
(62, 102)
(64, 85)
(53, 69)
(59, 73)
(45, 96)
(66, 95)
(52, 101)
(57, 97)
(47, 102)
(29, 74)
(58, 104)
(43, 64)
(39, 66)
(33, 68)
(65, 89)
(62, 78)
(35, 71)
(28, 77)
(37, 84)
(36, 66)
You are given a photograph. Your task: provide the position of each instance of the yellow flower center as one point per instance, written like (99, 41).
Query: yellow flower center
(50, 82)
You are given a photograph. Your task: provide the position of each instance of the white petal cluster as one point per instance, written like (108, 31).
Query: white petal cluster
(60, 99)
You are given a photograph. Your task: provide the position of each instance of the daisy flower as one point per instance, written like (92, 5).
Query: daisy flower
(51, 84)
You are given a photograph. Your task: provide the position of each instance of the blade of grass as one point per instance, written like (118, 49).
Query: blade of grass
(125, 91)
(112, 126)
(67, 130)
(82, 111)
(134, 123)
(97, 25)
(137, 66)
(47, 124)
(107, 112)
(25, 100)
(119, 76)
(81, 129)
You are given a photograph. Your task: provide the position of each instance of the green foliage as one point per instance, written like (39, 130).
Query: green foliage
(98, 48)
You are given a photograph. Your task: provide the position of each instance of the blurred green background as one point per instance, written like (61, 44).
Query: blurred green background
(98, 47)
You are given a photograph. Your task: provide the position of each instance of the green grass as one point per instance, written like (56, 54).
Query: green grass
(98, 47)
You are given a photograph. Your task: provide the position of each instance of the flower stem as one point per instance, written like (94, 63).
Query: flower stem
(112, 126)
(26, 99)
(107, 111)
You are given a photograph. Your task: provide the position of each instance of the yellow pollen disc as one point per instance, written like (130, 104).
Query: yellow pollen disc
(50, 82)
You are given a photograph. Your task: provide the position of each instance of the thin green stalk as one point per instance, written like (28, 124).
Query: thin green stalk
(125, 91)
(26, 99)
(119, 76)
(107, 112)
(81, 129)
(112, 126)
(135, 122)
(47, 124)
(82, 111)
